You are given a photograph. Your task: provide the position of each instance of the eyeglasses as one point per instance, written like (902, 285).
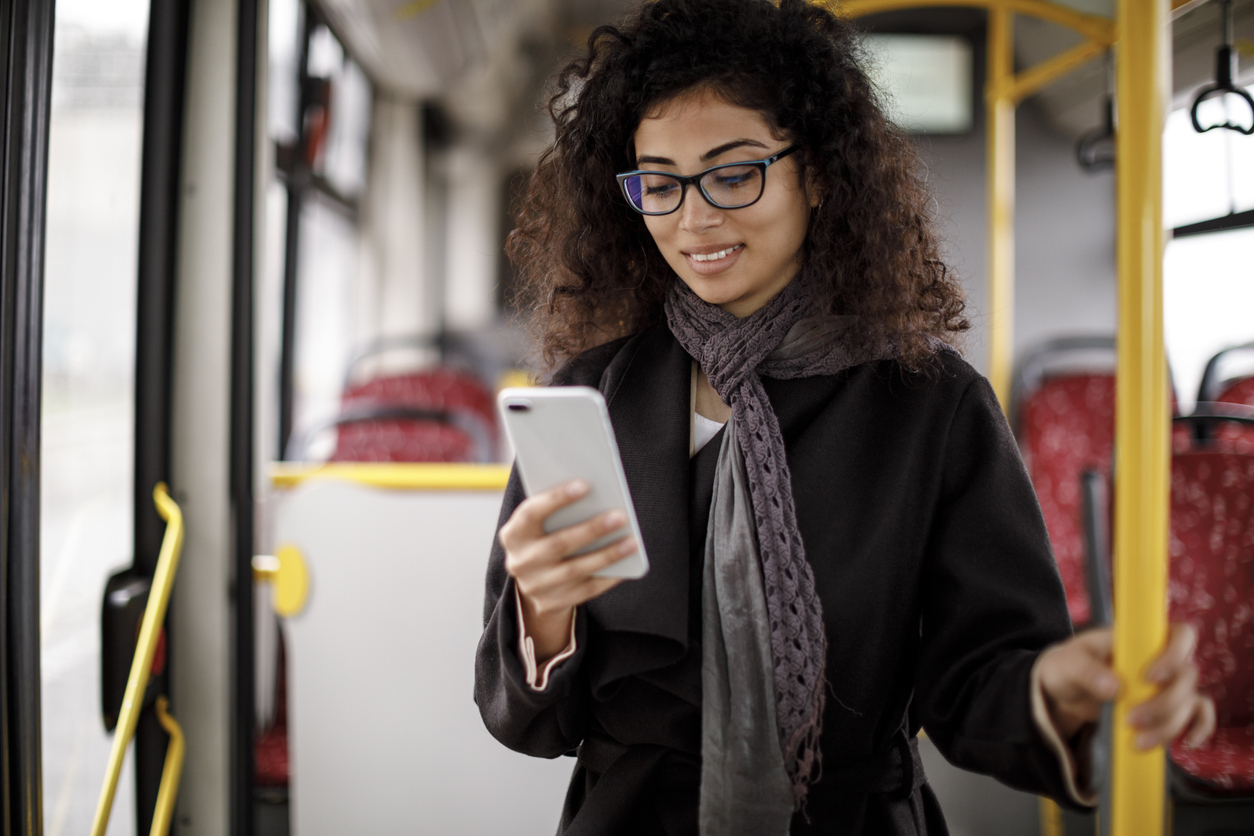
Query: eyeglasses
(727, 186)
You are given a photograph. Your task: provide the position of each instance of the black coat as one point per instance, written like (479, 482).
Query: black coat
(931, 560)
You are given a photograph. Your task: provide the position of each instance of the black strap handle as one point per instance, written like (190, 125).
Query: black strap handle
(1223, 85)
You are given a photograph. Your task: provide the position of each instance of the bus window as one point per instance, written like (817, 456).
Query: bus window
(320, 111)
(1208, 282)
(1205, 175)
(88, 387)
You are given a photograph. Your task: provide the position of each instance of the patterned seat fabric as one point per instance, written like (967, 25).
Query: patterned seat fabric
(1227, 759)
(1066, 426)
(1237, 437)
(391, 440)
(1212, 588)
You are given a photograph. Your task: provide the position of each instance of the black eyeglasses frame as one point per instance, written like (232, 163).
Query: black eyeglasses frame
(695, 180)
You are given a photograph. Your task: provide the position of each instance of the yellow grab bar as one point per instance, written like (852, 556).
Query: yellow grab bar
(414, 476)
(137, 682)
(172, 772)
(1142, 409)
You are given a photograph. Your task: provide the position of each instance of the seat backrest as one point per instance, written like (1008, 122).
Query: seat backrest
(1067, 425)
(389, 440)
(1212, 573)
(1235, 437)
(449, 390)
(395, 440)
(1228, 366)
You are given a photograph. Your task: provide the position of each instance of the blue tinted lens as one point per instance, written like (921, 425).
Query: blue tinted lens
(633, 191)
(654, 193)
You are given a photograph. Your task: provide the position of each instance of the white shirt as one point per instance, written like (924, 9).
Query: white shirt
(703, 429)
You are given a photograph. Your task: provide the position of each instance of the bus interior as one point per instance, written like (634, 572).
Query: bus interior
(257, 307)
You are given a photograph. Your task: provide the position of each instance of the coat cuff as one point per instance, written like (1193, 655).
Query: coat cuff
(1073, 757)
(538, 677)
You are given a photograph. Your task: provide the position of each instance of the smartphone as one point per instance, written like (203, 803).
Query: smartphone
(560, 433)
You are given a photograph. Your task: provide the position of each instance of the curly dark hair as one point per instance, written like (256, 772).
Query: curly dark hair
(588, 268)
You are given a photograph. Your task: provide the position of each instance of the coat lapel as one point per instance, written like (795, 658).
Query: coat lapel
(646, 388)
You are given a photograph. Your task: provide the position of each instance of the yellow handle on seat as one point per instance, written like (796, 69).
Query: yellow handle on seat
(286, 570)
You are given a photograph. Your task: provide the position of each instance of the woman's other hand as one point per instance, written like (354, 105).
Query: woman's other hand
(550, 582)
(1077, 679)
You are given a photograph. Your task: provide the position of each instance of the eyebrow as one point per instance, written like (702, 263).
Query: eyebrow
(708, 155)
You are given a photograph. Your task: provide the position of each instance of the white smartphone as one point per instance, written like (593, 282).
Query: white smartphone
(560, 433)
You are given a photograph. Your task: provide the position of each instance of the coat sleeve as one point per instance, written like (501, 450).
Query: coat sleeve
(992, 600)
(545, 723)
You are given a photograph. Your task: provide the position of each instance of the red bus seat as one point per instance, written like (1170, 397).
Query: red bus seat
(1212, 587)
(1066, 426)
(1063, 410)
(445, 390)
(270, 751)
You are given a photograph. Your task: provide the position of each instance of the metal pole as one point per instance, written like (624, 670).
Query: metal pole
(1141, 407)
(242, 414)
(1000, 154)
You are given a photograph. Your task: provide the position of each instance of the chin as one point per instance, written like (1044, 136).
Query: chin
(712, 291)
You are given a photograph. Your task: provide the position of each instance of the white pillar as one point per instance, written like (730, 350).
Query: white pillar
(201, 605)
(473, 248)
(393, 277)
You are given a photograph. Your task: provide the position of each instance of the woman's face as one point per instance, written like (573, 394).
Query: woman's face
(737, 259)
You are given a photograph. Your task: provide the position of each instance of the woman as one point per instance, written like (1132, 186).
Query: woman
(731, 242)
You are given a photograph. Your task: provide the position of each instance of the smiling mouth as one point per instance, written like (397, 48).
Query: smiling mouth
(715, 256)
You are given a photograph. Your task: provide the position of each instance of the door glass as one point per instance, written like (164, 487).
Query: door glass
(88, 387)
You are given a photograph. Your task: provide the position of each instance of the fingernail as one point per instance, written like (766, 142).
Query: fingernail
(1135, 719)
(627, 545)
(1145, 742)
(614, 519)
(1109, 683)
(579, 487)
(1155, 675)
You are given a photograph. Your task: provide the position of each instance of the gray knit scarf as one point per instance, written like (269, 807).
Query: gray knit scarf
(761, 612)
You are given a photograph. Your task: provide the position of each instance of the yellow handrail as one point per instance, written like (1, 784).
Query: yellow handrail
(1142, 408)
(1034, 78)
(413, 476)
(137, 682)
(1090, 26)
(1000, 185)
(172, 772)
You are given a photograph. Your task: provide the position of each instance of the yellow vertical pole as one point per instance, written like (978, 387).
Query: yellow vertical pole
(1141, 408)
(1000, 154)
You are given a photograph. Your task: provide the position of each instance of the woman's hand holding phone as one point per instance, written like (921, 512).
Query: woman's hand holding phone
(550, 582)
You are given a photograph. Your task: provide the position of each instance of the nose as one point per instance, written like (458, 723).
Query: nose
(696, 215)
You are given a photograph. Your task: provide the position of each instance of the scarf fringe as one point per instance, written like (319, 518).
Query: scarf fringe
(803, 755)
